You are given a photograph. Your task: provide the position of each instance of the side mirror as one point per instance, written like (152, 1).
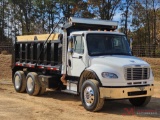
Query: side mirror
(132, 53)
(60, 38)
(70, 50)
(70, 39)
(70, 44)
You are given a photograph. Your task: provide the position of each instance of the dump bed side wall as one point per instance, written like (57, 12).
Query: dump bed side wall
(28, 52)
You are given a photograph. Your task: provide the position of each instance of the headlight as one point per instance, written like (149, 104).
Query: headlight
(109, 75)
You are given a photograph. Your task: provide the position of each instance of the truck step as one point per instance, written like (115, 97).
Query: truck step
(70, 91)
(72, 85)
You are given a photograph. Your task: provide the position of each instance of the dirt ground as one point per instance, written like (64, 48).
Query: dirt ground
(5, 66)
(54, 105)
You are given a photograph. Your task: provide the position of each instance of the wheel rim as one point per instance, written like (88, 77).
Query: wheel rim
(17, 82)
(88, 96)
(30, 84)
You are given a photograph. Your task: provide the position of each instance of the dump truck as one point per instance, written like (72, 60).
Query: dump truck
(89, 58)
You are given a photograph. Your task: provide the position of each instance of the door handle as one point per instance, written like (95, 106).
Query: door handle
(69, 63)
(79, 57)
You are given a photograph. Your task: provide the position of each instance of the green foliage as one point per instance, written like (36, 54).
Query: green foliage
(105, 9)
(139, 17)
(157, 52)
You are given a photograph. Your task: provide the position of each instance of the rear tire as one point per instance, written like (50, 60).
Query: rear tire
(33, 85)
(42, 90)
(90, 96)
(140, 102)
(19, 81)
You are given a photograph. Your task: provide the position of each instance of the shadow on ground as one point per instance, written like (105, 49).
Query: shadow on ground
(119, 107)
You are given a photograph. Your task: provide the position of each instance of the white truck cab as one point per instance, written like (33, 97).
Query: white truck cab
(106, 68)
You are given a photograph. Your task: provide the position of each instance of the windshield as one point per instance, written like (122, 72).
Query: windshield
(107, 44)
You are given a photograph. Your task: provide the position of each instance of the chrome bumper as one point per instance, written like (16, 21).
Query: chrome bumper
(126, 92)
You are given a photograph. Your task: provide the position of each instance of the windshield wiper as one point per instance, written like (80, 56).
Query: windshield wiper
(122, 54)
(100, 54)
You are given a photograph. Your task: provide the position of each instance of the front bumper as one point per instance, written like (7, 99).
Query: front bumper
(126, 92)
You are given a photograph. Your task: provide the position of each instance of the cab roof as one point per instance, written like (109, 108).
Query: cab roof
(98, 32)
(86, 23)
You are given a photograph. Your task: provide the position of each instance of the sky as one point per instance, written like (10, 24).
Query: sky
(117, 17)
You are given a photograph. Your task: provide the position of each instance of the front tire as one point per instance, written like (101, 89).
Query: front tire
(19, 81)
(33, 85)
(90, 96)
(140, 102)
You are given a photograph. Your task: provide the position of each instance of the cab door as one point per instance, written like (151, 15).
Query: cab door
(76, 59)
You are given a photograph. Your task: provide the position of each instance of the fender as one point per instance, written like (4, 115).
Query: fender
(99, 68)
(87, 74)
(94, 72)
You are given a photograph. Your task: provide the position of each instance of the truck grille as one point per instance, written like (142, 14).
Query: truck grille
(137, 73)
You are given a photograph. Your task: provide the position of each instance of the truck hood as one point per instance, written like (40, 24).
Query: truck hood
(117, 60)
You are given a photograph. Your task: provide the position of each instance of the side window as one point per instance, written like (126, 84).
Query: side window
(78, 44)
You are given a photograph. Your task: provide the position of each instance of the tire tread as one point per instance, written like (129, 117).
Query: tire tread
(100, 101)
(36, 84)
(23, 82)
